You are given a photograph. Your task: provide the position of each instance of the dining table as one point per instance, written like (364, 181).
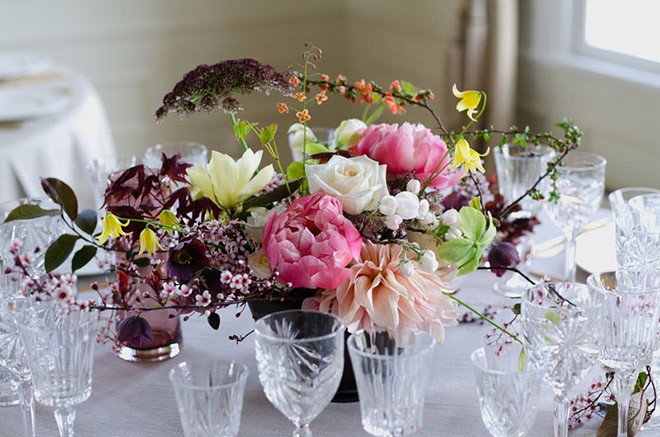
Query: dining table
(52, 123)
(137, 399)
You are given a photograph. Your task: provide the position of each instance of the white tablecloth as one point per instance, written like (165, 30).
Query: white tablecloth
(58, 145)
(131, 399)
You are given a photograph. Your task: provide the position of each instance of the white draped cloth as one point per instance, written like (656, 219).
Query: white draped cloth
(58, 145)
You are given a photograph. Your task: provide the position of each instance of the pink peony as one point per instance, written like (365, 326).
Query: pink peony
(377, 294)
(408, 148)
(311, 243)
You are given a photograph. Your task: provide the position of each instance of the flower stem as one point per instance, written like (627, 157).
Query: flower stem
(234, 123)
(484, 318)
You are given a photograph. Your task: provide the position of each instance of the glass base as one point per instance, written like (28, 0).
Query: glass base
(150, 355)
(8, 394)
(511, 284)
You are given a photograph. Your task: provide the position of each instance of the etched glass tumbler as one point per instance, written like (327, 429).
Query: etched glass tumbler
(581, 185)
(209, 395)
(628, 328)
(507, 393)
(59, 346)
(637, 230)
(190, 152)
(300, 356)
(560, 331)
(392, 371)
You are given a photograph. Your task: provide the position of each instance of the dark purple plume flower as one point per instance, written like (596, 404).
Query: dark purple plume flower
(503, 254)
(208, 87)
(134, 332)
(186, 259)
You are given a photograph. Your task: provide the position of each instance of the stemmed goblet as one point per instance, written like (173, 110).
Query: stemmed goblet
(581, 186)
(12, 354)
(628, 328)
(59, 344)
(300, 356)
(560, 331)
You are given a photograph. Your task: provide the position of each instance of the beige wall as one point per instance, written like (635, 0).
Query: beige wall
(134, 51)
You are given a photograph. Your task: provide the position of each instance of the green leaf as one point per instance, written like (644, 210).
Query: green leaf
(82, 257)
(475, 203)
(472, 223)
(295, 170)
(314, 148)
(59, 251)
(522, 360)
(375, 115)
(27, 212)
(267, 134)
(278, 193)
(62, 194)
(86, 221)
(455, 251)
(552, 317)
(141, 262)
(471, 264)
(408, 88)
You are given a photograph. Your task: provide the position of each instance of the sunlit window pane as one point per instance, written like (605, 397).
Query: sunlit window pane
(630, 27)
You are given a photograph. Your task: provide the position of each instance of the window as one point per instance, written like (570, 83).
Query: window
(625, 32)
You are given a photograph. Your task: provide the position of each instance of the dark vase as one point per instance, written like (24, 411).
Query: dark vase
(347, 391)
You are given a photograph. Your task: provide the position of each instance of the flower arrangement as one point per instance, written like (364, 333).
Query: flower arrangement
(373, 227)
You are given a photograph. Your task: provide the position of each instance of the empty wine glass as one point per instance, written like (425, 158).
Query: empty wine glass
(33, 235)
(12, 354)
(560, 331)
(190, 151)
(300, 355)
(209, 395)
(581, 186)
(392, 371)
(59, 345)
(507, 393)
(627, 327)
(637, 228)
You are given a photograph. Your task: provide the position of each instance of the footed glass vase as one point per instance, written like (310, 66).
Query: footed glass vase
(347, 391)
(167, 338)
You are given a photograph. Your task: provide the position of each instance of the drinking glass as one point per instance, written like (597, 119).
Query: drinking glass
(637, 228)
(581, 186)
(209, 395)
(59, 345)
(34, 235)
(300, 355)
(190, 151)
(507, 393)
(392, 371)
(101, 169)
(619, 198)
(320, 135)
(628, 328)
(560, 331)
(12, 354)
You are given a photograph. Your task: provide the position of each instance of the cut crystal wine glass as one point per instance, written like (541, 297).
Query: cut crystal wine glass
(581, 186)
(628, 328)
(300, 355)
(560, 331)
(59, 345)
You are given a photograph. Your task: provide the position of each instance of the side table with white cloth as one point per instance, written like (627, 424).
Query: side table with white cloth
(138, 400)
(52, 122)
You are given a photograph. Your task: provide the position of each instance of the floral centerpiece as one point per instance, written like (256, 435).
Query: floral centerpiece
(373, 227)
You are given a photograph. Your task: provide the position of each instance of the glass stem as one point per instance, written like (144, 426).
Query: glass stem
(26, 397)
(569, 266)
(65, 418)
(302, 430)
(622, 388)
(561, 415)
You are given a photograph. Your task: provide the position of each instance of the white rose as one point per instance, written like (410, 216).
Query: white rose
(348, 134)
(428, 262)
(297, 135)
(258, 262)
(358, 183)
(407, 205)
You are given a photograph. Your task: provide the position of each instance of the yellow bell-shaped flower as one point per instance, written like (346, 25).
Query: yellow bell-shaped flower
(112, 228)
(469, 101)
(465, 155)
(148, 241)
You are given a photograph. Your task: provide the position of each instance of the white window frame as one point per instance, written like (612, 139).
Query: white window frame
(580, 47)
